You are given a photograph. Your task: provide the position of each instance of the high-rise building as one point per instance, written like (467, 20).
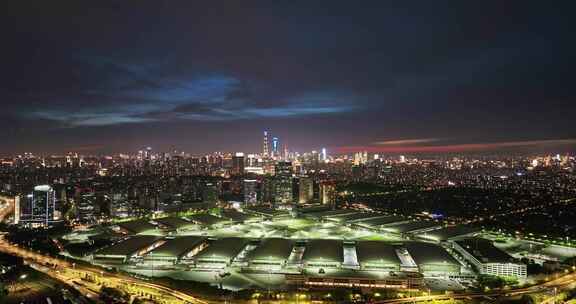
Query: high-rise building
(305, 190)
(148, 153)
(17, 210)
(268, 190)
(283, 168)
(360, 158)
(328, 193)
(238, 164)
(38, 209)
(267, 165)
(283, 183)
(251, 160)
(324, 156)
(275, 147)
(265, 148)
(286, 152)
(120, 206)
(86, 208)
(251, 191)
(210, 193)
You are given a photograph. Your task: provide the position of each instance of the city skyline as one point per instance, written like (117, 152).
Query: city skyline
(518, 148)
(179, 152)
(459, 76)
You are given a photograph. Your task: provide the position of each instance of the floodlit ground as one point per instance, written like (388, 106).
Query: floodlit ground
(287, 228)
(442, 284)
(531, 249)
(560, 252)
(81, 236)
(235, 281)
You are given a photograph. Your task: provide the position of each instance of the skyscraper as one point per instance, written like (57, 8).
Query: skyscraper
(328, 193)
(210, 193)
(283, 183)
(283, 189)
(39, 207)
(283, 168)
(286, 152)
(275, 146)
(265, 148)
(17, 210)
(305, 190)
(251, 191)
(251, 160)
(238, 163)
(86, 208)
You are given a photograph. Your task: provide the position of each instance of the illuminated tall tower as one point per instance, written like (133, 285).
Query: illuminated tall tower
(286, 154)
(265, 150)
(275, 146)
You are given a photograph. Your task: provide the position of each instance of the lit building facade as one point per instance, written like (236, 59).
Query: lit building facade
(283, 189)
(305, 190)
(327, 193)
(238, 164)
(275, 147)
(488, 259)
(251, 191)
(38, 209)
(283, 183)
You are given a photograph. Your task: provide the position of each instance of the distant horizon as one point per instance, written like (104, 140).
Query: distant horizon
(521, 148)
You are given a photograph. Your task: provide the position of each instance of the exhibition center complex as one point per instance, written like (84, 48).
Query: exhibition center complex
(329, 247)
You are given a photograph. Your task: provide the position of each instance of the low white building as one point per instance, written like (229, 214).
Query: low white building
(488, 259)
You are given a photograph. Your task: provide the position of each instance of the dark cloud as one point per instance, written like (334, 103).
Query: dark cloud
(321, 72)
(193, 108)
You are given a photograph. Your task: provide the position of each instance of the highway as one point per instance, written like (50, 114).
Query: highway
(88, 280)
(565, 282)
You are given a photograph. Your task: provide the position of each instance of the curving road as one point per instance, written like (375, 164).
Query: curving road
(561, 283)
(72, 275)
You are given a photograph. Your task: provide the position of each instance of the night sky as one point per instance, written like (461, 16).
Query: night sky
(389, 76)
